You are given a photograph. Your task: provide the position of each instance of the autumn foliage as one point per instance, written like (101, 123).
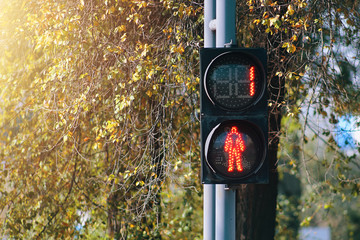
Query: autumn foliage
(98, 110)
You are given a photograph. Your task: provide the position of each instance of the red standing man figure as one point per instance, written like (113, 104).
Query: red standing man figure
(234, 145)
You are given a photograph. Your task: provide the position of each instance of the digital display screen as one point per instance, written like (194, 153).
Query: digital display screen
(233, 82)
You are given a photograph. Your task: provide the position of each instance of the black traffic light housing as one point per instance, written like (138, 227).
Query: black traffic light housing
(234, 120)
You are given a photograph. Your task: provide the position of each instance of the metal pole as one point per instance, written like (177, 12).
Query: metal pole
(209, 189)
(225, 213)
(209, 212)
(209, 14)
(225, 198)
(225, 22)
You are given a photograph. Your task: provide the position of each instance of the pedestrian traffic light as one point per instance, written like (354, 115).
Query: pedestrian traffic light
(234, 122)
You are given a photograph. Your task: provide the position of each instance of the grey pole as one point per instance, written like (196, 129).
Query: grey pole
(209, 15)
(209, 189)
(225, 22)
(225, 198)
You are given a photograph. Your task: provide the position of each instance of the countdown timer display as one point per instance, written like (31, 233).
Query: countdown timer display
(234, 82)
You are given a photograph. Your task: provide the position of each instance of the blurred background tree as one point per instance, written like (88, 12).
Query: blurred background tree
(98, 118)
(313, 86)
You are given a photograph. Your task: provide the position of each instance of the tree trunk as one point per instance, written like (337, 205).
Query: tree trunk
(256, 203)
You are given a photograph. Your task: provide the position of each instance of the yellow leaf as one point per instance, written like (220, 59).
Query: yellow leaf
(112, 9)
(290, 10)
(178, 49)
(111, 177)
(123, 37)
(327, 206)
(274, 21)
(294, 38)
(285, 45)
(256, 21)
(149, 93)
(292, 48)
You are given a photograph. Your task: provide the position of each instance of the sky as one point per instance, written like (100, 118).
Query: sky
(348, 132)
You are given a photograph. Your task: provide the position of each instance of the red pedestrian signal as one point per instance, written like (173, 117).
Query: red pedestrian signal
(234, 145)
(235, 149)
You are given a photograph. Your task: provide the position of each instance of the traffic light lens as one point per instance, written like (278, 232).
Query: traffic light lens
(233, 81)
(235, 149)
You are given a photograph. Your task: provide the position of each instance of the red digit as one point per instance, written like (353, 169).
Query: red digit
(252, 81)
